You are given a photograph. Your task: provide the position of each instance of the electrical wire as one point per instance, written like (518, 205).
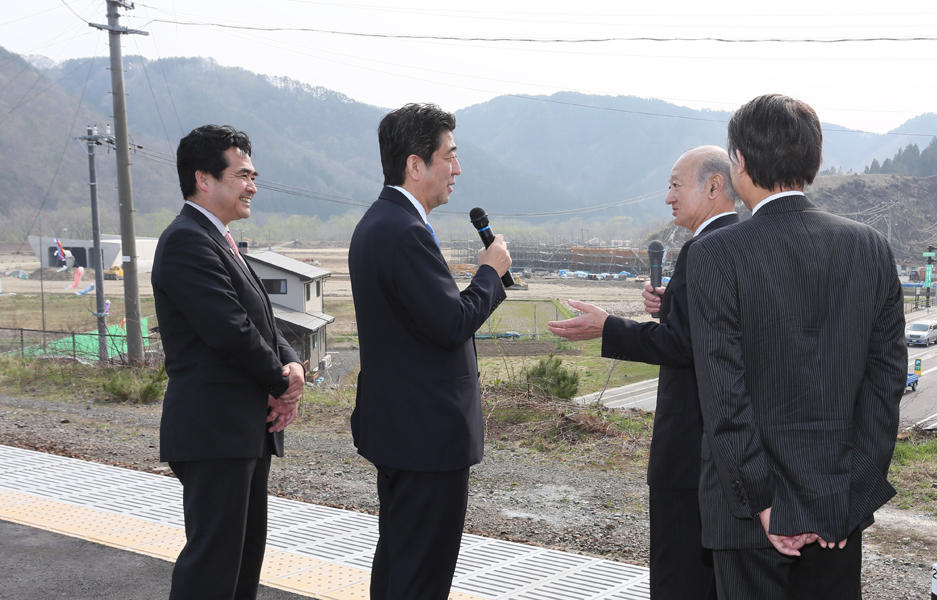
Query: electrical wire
(149, 84)
(530, 40)
(301, 192)
(58, 165)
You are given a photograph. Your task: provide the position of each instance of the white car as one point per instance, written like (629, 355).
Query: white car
(921, 333)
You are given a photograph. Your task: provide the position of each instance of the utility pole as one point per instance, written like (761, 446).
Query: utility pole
(128, 238)
(928, 275)
(94, 139)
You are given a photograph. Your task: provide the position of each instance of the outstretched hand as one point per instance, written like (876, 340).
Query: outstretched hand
(586, 326)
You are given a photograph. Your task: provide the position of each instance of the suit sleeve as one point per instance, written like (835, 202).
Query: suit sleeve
(884, 379)
(431, 298)
(286, 352)
(195, 278)
(666, 343)
(728, 418)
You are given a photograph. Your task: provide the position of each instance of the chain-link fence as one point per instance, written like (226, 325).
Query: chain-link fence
(82, 346)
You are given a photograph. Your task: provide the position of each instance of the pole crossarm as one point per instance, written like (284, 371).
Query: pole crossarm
(118, 29)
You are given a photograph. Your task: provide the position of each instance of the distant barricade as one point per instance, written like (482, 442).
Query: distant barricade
(80, 346)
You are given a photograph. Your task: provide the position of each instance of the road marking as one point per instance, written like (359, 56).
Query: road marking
(928, 418)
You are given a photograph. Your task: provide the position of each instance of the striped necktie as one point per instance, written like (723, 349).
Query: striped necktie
(234, 247)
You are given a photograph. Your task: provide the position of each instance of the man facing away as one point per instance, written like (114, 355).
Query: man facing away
(417, 415)
(702, 200)
(801, 365)
(234, 382)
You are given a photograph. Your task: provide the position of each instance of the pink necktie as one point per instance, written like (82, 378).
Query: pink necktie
(234, 247)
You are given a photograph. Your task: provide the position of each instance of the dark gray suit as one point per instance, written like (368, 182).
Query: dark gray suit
(680, 567)
(224, 355)
(798, 339)
(418, 414)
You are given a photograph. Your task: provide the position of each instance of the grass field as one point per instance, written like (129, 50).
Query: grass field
(526, 316)
(63, 312)
(592, 368)
(913, 471)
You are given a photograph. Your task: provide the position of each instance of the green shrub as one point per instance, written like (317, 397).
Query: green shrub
(142, 386)
(549, 376)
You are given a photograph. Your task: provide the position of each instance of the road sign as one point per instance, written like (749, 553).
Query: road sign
(917, 366)
(929, 254)
(927, 275)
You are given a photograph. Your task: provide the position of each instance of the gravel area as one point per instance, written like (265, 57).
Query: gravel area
(571, 501)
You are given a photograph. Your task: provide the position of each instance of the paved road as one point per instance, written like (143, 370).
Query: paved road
(39, 565)
(918, 408)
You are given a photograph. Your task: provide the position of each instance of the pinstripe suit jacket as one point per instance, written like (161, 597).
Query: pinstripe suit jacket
(798, 340)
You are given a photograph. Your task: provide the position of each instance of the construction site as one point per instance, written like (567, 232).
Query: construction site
(540, 257)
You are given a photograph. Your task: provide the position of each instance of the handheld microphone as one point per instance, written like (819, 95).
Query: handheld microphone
(655, 256)
(479, 219)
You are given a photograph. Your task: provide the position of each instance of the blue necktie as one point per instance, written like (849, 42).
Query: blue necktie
(436, 239)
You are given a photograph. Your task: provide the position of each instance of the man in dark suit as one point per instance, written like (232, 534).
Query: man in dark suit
(801, 364)
(418, 413)
(702, 200)
(234, 382)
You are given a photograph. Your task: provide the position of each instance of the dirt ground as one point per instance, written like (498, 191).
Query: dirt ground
(618, 297)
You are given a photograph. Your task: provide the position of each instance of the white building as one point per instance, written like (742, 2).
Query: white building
(296, 290)
(46, 251)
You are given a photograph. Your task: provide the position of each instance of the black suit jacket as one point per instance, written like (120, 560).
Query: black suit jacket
(798, 338)
(675, 445)
(418, 404)
(224, 354)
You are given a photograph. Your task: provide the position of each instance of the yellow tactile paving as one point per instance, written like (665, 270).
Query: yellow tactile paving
(118, 531)
(288, 571)
(279, 564)
(323, 579)
(314, 551)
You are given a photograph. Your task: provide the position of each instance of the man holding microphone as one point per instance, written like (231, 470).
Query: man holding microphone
(417, 414)
(702, 200)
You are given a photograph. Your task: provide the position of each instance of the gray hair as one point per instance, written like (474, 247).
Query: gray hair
(717, 162)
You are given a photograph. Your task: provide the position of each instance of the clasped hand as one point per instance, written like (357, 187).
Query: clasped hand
(790, 545)
(285, 408)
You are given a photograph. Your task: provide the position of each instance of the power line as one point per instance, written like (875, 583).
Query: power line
(58, 166)
(149, 84)
(530, 40)
(293, 190)
(72, 10)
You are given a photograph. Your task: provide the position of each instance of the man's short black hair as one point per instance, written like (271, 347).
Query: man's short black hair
(781, 140)
(203, 150)
(411, 129)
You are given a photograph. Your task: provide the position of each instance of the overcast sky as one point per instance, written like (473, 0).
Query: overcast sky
(872, 85)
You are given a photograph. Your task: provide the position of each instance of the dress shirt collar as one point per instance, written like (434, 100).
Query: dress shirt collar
(416, 203)
(222, 229)
(775, 197)
(706, 223)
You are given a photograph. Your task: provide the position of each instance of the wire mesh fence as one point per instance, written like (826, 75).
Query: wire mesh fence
(81, 346)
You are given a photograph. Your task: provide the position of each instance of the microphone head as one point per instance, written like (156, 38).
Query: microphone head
(478, 217)
(655, 250)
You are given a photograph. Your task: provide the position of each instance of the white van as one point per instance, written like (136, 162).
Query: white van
(921, 333)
